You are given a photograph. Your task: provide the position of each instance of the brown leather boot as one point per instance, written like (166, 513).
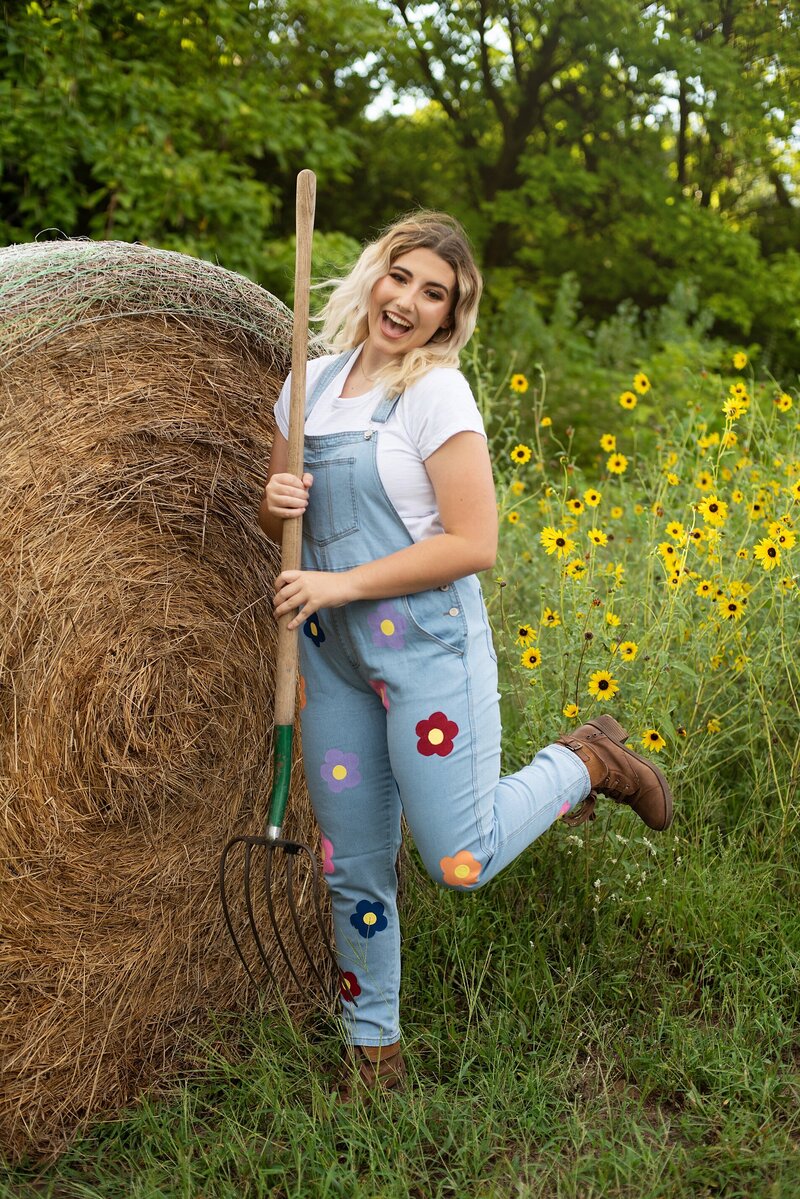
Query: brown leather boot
(619, 773)
(370, 1068)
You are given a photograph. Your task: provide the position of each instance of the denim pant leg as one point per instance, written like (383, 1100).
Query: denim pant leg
(357, 806)
(467, 822)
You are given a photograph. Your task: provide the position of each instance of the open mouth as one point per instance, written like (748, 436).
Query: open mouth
(393, 325)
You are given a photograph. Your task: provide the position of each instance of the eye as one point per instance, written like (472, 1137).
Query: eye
(435, 295)
(396, 275)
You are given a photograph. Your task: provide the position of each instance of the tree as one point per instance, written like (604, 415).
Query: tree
(183, 124)
(627, 141)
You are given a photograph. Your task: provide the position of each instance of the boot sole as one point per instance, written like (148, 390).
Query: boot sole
(610, 728)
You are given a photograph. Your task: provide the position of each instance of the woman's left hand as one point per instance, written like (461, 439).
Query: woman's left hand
(309, 590)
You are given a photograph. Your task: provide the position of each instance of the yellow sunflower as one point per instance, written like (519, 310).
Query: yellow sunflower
(521, 454)
(617, 464)
(531, 658)
(641, 383)
(603, 685)
(628, 400)
(767, 553)
(653, 741)
(555, 541)
(713, 511)
(519, 384)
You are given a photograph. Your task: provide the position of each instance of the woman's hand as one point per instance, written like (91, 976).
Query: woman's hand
(286, 496)
(310, 590)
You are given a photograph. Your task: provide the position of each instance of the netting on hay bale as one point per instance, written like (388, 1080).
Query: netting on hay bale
(136, 662)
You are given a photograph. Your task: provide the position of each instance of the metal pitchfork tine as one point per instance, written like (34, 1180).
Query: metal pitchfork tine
(262, 850)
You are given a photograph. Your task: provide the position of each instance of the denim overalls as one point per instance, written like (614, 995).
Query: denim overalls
(400, 712)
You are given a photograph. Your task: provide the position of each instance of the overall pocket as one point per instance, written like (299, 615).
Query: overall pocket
(332, 511)
(439, 616)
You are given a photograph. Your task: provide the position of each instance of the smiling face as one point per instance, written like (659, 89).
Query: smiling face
(408, 305)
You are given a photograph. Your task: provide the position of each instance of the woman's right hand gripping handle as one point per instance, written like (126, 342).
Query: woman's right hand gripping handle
(285, 498)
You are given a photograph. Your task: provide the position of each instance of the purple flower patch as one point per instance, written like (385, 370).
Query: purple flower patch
(340, 770)
(388, 626)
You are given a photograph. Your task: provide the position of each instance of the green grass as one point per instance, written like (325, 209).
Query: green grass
(558, 1047)
(616, 1015)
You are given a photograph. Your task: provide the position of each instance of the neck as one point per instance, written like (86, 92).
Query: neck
(371, 362)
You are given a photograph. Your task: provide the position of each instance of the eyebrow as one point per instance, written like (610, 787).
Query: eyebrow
(430, 283)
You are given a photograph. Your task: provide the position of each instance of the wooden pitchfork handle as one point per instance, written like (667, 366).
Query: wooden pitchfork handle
(291, 540)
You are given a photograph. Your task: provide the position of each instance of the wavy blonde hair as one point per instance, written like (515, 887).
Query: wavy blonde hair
(344, 316)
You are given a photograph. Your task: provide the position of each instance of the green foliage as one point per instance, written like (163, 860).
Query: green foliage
(631, 145)
(180, 124)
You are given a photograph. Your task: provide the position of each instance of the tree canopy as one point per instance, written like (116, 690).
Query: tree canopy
(632, 144)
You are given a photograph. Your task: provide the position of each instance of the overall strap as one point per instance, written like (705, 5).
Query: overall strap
(326, 377)
(385, 408)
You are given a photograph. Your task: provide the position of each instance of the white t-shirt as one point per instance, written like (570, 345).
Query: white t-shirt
(428, 412)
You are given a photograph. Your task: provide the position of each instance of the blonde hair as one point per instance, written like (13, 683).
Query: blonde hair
(344, 317)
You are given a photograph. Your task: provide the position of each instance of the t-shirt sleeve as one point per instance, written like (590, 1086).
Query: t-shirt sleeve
(282, 408)
(314, 369)
(439, 406)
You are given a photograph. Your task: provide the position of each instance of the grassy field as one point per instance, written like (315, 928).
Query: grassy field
(617, 1014)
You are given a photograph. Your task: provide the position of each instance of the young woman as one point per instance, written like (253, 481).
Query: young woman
(399, 676)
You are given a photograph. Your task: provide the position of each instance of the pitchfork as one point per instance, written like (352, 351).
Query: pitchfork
(271, 860)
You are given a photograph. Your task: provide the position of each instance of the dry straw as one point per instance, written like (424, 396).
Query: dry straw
(136, 657)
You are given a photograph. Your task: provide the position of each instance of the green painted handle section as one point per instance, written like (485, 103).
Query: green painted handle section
(282, 769)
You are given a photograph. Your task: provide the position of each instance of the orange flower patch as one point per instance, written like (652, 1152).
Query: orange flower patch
(461, 870)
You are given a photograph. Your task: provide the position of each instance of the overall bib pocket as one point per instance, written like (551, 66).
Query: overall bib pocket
(332, 511)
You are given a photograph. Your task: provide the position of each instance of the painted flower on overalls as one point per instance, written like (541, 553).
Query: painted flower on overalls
(313, 629)
(340, 770)
(327, 855)
(349, 987)
(388, 626)
(368, 918)
(461, 870)
(302, 687)
(379, 687)
(436, 735)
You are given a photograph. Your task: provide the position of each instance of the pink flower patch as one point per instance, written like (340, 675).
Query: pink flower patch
(327, 855)
(565, 807)
(379, 687)
(436, 735)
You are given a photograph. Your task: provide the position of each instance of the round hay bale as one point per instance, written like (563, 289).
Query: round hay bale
(136, 663)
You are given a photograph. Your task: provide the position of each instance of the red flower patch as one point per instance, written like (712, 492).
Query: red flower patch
(349, 988)
(436, 735)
